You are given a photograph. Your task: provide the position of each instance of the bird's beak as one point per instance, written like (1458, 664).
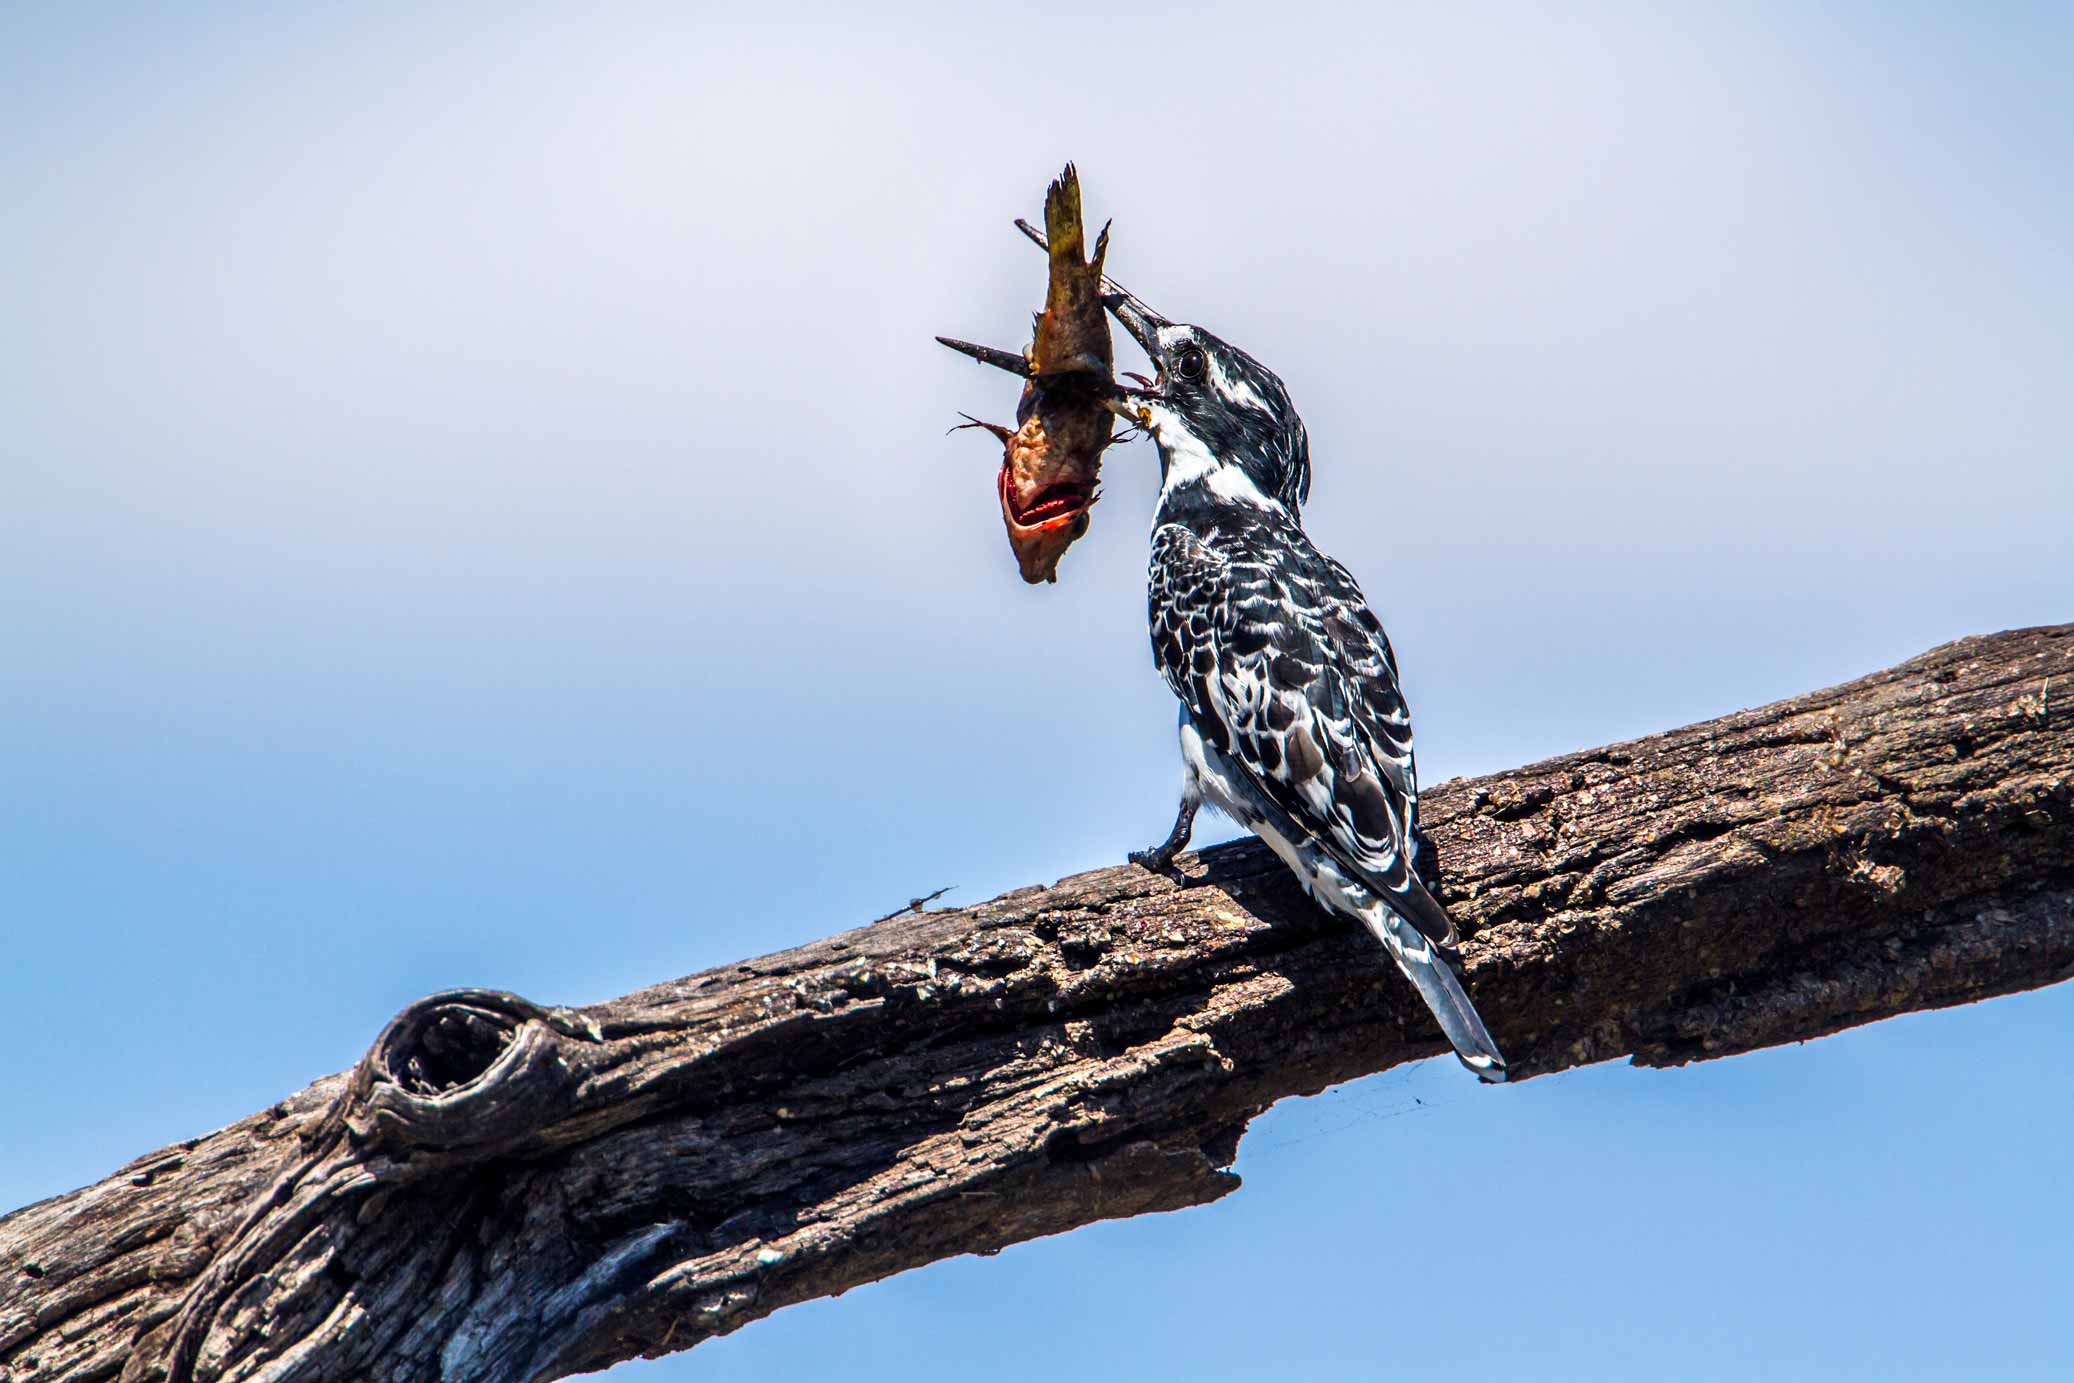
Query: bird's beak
(1143, 324)
(1139, 320)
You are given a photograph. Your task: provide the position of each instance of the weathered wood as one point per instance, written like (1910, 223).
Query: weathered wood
(503, 1192)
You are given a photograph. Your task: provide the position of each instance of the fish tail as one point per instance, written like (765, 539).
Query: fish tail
(1062, 218)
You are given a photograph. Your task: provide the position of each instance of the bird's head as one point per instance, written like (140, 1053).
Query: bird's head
(1222, 420)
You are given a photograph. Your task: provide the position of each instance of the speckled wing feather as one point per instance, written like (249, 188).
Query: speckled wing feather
(1283, 667)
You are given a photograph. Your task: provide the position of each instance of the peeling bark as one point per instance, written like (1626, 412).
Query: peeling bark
(502, 1192)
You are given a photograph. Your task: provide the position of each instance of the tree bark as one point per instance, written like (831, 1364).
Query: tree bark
(502, 1192)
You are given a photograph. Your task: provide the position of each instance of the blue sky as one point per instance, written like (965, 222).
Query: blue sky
(477, 510)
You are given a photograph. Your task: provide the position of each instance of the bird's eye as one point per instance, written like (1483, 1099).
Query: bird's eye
(1190, 363)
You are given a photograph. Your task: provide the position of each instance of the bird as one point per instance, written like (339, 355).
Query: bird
(1292, 721)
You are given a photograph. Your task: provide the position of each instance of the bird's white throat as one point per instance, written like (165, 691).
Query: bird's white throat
(1186, 460)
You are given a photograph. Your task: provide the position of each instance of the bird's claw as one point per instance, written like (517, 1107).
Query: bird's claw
(1158, 861)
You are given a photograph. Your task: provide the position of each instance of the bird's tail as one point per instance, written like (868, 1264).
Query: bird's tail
(1426, 966)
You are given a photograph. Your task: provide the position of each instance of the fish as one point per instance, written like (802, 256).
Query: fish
(1051, 462)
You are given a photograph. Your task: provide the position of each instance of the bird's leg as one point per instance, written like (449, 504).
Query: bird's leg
(1425, 861)
(1161, 857)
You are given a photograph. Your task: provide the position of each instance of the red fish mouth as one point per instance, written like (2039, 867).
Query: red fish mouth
(1051, 507)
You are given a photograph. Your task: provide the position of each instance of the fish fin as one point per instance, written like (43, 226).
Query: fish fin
(989, 355)
(1005, 434)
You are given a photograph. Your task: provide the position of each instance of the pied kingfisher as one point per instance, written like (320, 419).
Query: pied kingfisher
(1291, 718)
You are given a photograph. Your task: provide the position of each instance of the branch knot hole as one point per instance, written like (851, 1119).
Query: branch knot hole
(466, 1067)
(450, 1047)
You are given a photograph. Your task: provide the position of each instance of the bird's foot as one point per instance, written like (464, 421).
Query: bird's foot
(1160, 858)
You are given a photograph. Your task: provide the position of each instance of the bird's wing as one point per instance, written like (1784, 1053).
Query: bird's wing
(1285, 668)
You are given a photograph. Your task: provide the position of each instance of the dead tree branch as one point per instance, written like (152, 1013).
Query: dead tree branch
(503, 1192)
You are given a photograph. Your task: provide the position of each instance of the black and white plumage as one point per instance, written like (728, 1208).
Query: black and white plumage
(1292, 721)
